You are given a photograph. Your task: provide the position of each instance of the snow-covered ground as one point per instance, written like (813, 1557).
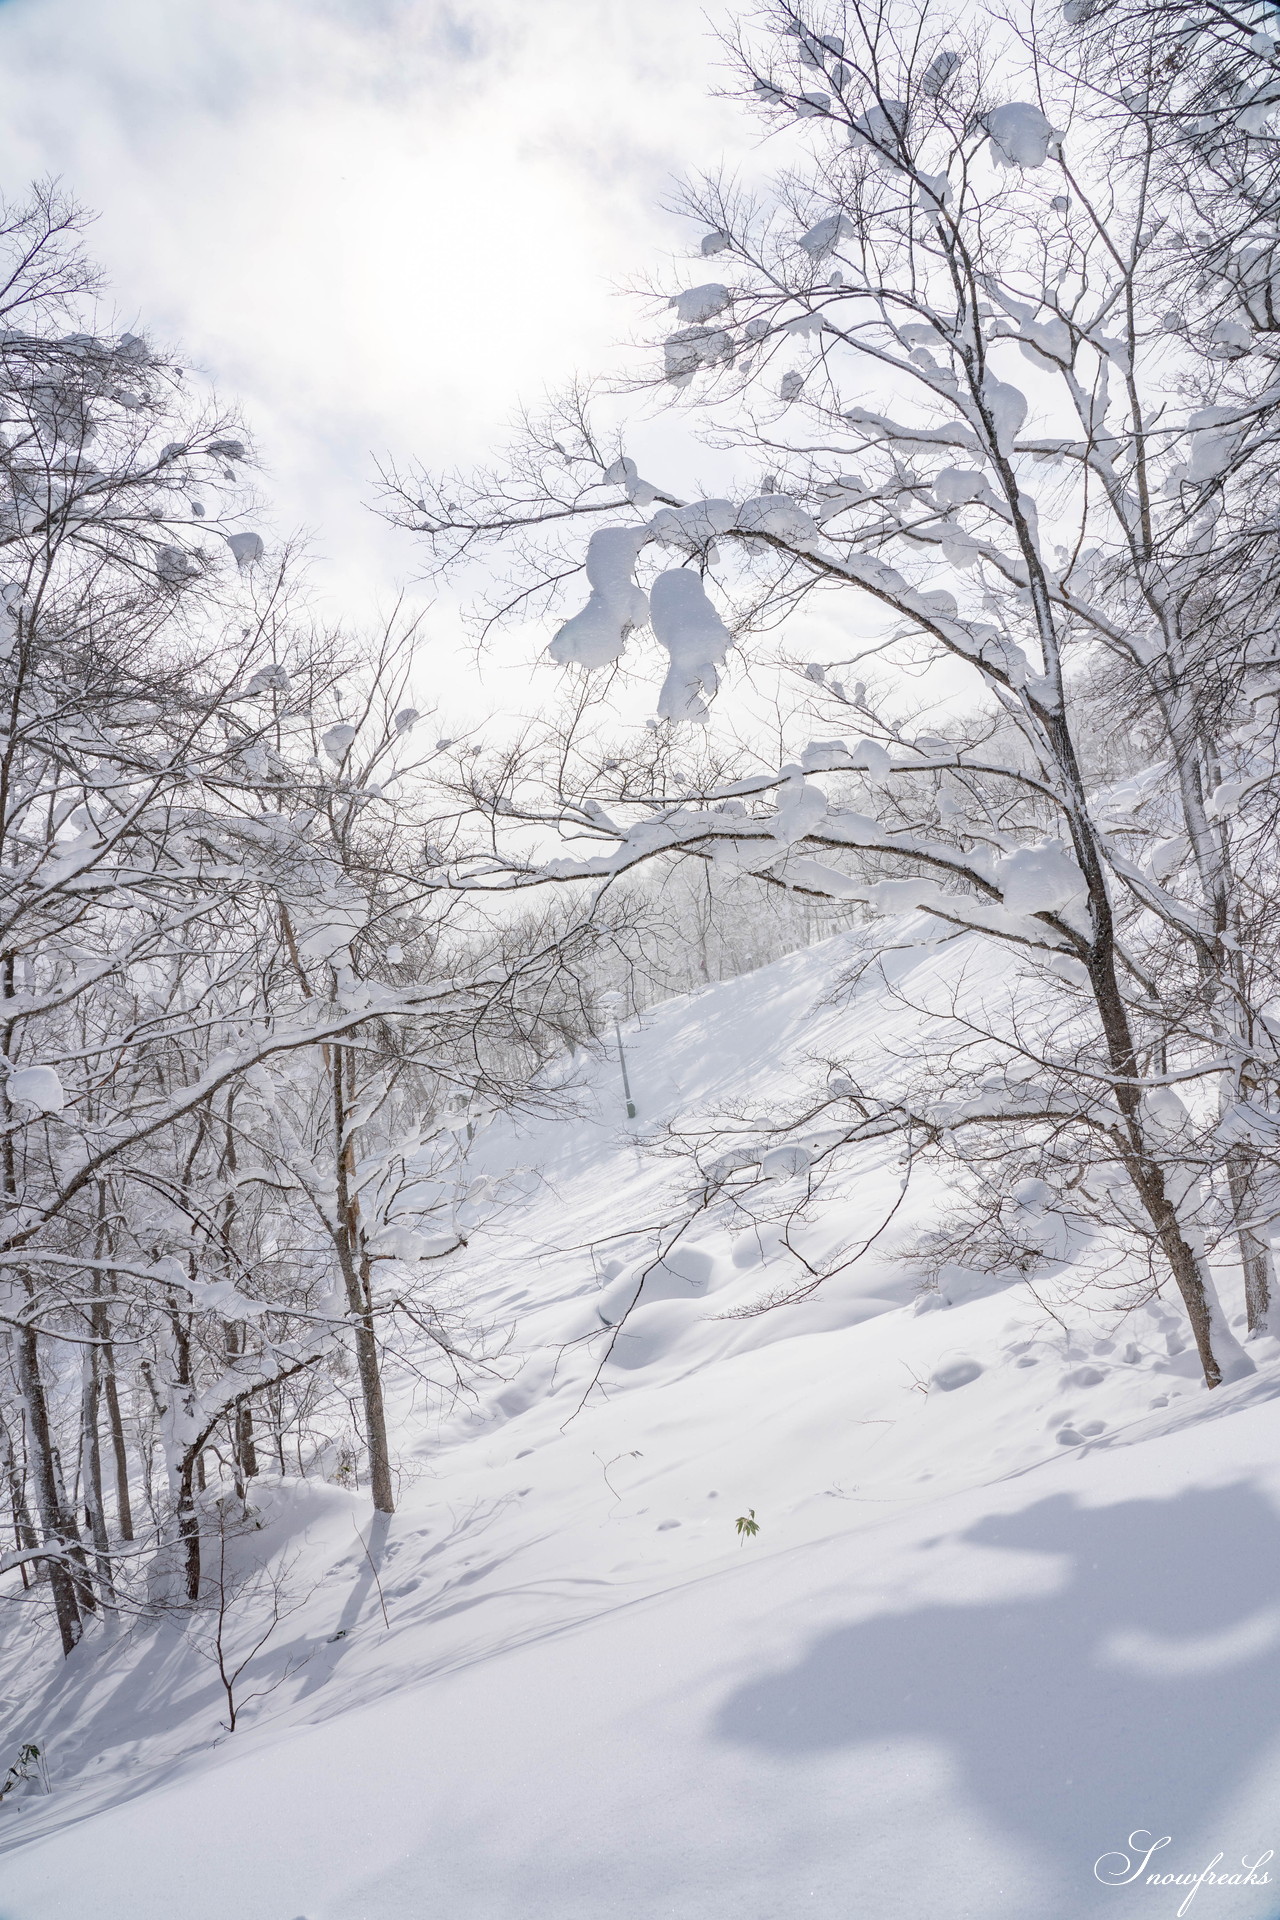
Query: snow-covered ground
(986, 1631)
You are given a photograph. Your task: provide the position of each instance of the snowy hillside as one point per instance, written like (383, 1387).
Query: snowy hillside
(1013, 1597)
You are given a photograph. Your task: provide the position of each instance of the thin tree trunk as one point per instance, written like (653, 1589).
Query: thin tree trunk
(76, 1555)
(243, 1452)
(101, 1328)
(91, 1453)
(246, 1444)
(276, 1409)
(24, 1533)
(1213, 862)
(188, 1519)
(357, 1281)
(244, 1456)
(189, 1524)
(123, 1510)
(1255, 1256)
(191, 1467)
(1221, 1355)
(65, 1606)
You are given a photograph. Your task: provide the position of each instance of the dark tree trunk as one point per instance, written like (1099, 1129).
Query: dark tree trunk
(25, 1537)
(52, 1521)
(189, 1524)
(116, 1424)
(357, 1278)
(1255, 1261)
(244, 1454)
(76, 1556)
(91, 1456)
(245, 1444)
(1141, 1163)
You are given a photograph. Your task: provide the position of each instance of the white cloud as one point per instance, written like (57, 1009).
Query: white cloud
(380, 223)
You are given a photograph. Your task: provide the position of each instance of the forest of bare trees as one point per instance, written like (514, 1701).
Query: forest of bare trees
(996, 350)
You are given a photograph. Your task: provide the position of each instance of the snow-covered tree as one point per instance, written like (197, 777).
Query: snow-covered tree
(239, 1003)
(996, 352)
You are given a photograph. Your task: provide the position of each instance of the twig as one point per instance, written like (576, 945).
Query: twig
(374, 1571)
(606, 1464)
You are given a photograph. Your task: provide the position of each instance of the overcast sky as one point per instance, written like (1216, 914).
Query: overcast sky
(378, 223)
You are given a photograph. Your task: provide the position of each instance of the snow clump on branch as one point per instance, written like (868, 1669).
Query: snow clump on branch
(698, 304)
(596, 636)
(1043, 879)
(696, 639)
(1020, 135)
(37, 1087)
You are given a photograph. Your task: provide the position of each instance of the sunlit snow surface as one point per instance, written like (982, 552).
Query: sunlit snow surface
(961, 1661)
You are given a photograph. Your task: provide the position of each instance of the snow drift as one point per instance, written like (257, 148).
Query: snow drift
(1011, 1602)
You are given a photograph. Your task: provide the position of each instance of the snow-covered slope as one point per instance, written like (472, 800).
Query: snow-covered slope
(1014, 1596)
